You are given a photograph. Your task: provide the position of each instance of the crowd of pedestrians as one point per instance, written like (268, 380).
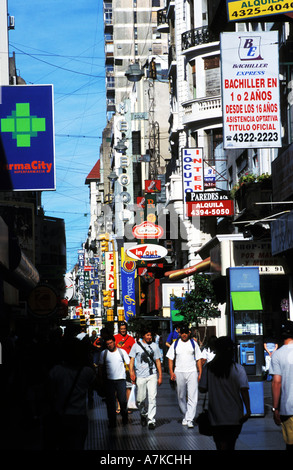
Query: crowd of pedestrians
(53, 379)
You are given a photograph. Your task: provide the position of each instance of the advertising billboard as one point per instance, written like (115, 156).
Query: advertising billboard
(250, 90)
(209, 203)
(238, 10)
(27, 158)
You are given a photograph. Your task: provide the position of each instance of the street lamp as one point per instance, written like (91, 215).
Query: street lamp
(120, 147)
(134, 73)
(112, 176)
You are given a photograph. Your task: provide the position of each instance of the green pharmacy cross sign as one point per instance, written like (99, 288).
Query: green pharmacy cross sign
(27, 146)
(22, 125)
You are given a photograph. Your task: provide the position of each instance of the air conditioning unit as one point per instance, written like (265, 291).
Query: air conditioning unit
(11, 22)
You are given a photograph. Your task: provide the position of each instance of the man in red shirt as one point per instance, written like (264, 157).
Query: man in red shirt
(124, 340)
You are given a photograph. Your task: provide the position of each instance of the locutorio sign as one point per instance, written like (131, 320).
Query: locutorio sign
(250, 90)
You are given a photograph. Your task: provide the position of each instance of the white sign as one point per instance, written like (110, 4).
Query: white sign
(147, 230)
(259, 254)
(69, 288)
(149, 252)
(250, 89)
(193, 174)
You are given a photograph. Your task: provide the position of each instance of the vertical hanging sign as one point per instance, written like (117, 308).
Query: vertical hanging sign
(128, 288)
(192, 170)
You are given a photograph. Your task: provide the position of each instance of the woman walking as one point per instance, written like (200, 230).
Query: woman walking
(227, 386)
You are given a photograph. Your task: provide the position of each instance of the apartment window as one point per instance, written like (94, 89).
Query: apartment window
(108, 13)
(192, 76)
(242, 163)
(214, 138)
(212, 75)
(108, 37)
(136, 146)
(110, 82)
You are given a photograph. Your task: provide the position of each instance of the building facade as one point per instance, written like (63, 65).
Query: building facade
(153, 141)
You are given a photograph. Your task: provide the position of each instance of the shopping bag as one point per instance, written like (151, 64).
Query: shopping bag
(131, 404)
(204, 425)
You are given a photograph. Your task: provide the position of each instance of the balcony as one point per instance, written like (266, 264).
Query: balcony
(162, 21)
(202, 109)
(197, 37)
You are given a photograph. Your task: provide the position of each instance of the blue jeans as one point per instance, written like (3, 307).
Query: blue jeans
(116, 387)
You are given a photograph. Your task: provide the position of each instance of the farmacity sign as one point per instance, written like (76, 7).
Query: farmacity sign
(27, 151)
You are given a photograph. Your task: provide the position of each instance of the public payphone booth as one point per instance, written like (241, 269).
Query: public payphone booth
(246, 329)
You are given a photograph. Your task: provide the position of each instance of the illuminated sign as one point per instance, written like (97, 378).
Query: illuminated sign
(239, 10)
(27, 161)
(147, 252)
(147, 230)
(250, 90)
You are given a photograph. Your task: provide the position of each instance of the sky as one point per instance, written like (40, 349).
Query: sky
(62, 43)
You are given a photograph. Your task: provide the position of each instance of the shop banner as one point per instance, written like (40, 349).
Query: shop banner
(250, 90)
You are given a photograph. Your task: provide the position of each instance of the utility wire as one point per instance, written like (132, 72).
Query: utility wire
(57, 66)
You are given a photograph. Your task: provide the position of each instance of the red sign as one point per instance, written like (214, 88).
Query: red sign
(220, 208)
(152, 186)
(140, 202)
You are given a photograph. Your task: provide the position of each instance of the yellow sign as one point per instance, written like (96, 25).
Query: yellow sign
(239, 10)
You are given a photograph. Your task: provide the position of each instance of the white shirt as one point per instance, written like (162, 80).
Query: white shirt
(186, 356)
(114, 363)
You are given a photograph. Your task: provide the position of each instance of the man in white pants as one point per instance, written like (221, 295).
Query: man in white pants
(186, 355)
(146, 370)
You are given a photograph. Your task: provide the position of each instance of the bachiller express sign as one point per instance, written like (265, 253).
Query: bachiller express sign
(250, 90)
(210, 203)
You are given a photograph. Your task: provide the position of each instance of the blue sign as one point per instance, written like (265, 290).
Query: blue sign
(244, 279)
(27, 157)
(128, 289)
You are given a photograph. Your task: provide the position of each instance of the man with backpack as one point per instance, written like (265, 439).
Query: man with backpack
(146, 371)
(184, 359)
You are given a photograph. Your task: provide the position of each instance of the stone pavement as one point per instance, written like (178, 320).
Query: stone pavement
(258, 433)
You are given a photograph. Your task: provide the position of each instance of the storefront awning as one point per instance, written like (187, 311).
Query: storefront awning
(186, 272)
(246, 300)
